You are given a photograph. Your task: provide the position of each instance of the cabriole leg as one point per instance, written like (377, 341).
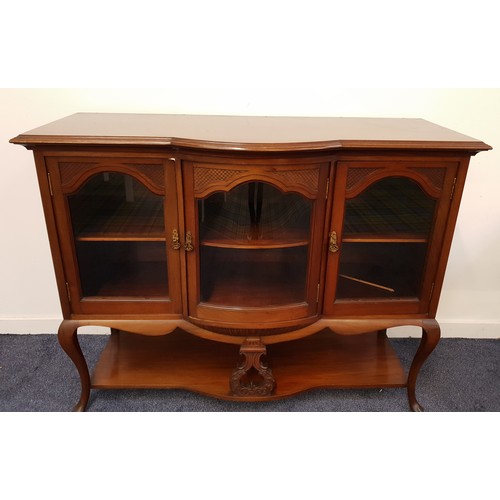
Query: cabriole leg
(431, 334)
(68, 340)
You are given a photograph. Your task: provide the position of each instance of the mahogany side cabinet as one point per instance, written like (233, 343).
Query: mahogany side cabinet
(248, 258)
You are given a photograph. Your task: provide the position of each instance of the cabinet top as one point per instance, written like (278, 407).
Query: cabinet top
(248, 133)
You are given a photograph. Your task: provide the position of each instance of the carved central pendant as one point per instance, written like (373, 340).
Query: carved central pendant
(252, 377)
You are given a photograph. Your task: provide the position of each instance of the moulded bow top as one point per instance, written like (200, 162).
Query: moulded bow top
(248, 133)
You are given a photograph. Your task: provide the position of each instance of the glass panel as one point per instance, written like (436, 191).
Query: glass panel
(253, 278)
(393, 206)
(385, 239)
(119, 233)
(254, 247)
(378, 270)
(122, 269)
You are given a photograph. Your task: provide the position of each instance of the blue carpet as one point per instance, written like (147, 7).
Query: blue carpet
(461, 375)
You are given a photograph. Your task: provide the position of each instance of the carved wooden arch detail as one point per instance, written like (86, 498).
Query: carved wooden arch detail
(430, 182)
(435, 175)
(75, 174)
(300, 180)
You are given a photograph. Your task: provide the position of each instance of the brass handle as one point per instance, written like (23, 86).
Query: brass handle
(188, 245)
(333, 246)
(176, 244)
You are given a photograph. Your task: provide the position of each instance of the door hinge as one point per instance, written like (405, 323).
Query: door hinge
(327, 188)
(50, 184)
(453, 188)
(432, 291)
(68, 292)
(317, 294)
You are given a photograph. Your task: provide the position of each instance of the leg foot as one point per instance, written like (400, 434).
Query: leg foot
(431, 334)
(68, 339)
(252, 377)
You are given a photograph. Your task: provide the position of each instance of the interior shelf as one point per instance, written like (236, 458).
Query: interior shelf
(384, 238)
(275, 220)
(180, 360)
(121, 226)
(121, 237)
(251, 240)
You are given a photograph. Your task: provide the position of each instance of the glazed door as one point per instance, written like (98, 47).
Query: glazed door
(255, 235)
(117, 217)
(386, 235)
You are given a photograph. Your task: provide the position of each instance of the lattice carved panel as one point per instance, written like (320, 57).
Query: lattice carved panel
(303, 179)
(73, 174)
(435, 176)
(356, 175)
(204, 177)
(70, 171)
(306, 179)
(154, 172)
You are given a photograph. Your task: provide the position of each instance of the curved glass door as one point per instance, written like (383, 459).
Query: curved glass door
(385, 241)
(119, 233)
(254, 247)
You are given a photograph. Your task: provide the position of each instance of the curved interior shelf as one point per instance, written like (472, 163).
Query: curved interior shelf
(249, 238)
(249, 245)
(254, 216)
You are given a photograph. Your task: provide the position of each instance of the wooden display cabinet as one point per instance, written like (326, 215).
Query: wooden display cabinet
(274, 252)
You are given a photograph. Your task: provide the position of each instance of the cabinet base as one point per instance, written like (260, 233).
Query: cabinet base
(183, 361)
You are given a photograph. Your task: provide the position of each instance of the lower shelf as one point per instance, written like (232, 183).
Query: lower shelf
(180, 360)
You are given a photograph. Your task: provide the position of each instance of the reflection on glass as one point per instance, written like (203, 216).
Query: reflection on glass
(385, 240)
(254, 246)
(118, 228)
